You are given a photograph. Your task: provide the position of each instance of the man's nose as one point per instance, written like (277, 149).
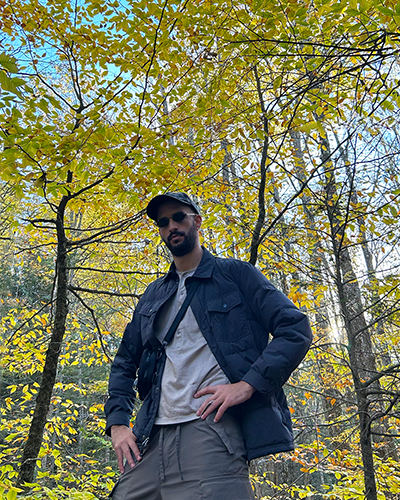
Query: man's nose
(172, 225)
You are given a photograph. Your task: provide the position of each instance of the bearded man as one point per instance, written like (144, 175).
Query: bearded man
(216, 401)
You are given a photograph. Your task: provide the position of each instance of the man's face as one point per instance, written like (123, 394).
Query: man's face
(180, 237)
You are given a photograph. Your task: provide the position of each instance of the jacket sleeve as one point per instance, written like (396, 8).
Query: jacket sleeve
(288, 326)
(121, 394)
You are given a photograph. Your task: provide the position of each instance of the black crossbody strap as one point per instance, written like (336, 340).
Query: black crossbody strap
(181, 313)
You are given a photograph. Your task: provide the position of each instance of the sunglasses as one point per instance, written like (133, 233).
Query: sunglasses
(176, 217)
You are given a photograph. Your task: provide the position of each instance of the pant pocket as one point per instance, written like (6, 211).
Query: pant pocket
(229, 432)
(227, 488)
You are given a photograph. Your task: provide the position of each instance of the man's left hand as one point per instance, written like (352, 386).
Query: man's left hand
(223, 397)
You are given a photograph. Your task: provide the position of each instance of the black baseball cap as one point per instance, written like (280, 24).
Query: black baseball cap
(154, 204)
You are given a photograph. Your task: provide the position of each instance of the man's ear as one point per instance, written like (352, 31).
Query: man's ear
(198, 220)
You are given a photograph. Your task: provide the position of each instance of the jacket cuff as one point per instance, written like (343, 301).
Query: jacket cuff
(117, 418)
(257, 381)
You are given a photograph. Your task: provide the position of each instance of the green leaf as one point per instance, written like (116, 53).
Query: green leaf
(6, 82)
(8, 62)
(338, 7)
(385, 10)
(12, 494)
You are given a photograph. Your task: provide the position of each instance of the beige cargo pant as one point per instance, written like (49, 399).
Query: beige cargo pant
(196, 460)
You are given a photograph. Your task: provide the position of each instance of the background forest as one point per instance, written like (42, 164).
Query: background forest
(281, 118)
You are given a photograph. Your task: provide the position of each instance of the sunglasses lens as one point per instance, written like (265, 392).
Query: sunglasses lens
(163, 222)
(178, 216)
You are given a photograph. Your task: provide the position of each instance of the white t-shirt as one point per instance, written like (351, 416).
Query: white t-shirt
(190, 364)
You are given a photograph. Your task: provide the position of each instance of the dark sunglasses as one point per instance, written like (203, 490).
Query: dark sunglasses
(176, 217)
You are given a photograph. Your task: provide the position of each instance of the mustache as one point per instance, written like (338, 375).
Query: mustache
(175, 233)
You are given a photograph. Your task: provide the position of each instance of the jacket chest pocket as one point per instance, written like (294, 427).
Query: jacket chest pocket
(228, 317)
(147, 316)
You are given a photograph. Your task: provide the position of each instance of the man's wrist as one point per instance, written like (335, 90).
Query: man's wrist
(248, 387)
(115, 426)
(117, 418)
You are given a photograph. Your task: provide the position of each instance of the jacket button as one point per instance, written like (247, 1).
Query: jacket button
(225, 306)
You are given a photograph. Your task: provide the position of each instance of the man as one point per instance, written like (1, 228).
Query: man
(219, 400)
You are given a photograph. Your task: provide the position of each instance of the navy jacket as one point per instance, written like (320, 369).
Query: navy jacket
(237, 310)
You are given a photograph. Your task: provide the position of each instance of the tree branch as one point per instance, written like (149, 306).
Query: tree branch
(82, 268)
(95, 322)
(102, 292)
(388, 371)
(28, 320)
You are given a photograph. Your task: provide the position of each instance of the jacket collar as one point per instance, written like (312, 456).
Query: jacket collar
(204, 269)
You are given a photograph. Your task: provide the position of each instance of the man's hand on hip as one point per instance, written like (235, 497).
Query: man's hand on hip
(223, 397)
(124, 443)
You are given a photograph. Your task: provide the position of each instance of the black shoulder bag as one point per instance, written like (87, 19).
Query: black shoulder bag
(152, 355)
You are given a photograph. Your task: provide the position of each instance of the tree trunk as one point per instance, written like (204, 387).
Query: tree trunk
(39, 420)
(320, 268)
(362, 360)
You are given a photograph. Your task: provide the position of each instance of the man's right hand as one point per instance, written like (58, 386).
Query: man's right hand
(124, 444)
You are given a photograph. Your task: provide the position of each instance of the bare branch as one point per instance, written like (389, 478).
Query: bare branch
(103, 347)
(112, 271)
(102, 292)
(388, 371)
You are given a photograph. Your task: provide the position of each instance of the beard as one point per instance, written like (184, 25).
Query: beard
(186, 245)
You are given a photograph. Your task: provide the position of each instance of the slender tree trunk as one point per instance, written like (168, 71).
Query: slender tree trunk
(39, 420)
(319, 268)
(376, 311)
(360, 363)
(362, 359)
